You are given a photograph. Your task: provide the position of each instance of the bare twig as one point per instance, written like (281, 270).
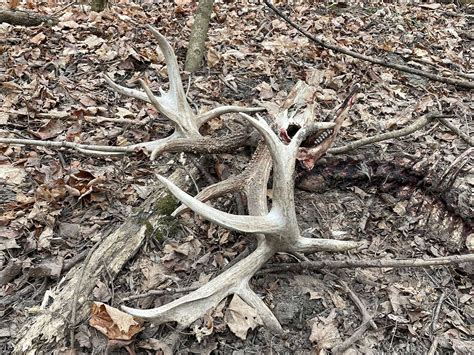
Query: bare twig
(378, 263)
(433, 347)
(378, 61)
(359, 332)
(456, 130)
(84, 148)
(436, 311)
(67, 116)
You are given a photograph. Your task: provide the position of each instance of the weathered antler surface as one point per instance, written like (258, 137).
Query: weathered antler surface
(277, 231)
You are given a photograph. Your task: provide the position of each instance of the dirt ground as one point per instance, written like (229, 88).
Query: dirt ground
(393, 195)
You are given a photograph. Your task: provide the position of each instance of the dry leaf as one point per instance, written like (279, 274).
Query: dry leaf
(40, 37)
(212, 57)
(324, 332)
(11, 174)
(240, 317)
(113, 323)
(50, 130)
(7, 243)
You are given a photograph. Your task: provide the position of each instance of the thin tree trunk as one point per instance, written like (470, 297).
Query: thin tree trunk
(198, 35)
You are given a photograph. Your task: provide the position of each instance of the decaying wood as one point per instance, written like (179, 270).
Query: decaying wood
(50, 326)
(367, 263)
(25, 18)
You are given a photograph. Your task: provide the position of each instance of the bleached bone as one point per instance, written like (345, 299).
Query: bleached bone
(276, 230)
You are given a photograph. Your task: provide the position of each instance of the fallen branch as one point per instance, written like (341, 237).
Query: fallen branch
(203, 145)
(415, 126)
(378, 61)
(378, 263)
(67, 116)
(456, 130)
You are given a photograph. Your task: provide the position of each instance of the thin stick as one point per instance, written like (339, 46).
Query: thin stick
(436, 312)
(456, 130)
(378, 61)
(378, 263)
(67, 116)
(415, 126)
(76, 146)
(359, 332)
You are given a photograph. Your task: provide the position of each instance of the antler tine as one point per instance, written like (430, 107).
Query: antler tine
(136, 94)
(273, 142)
(161, 108)
(176, 86)
(271, 223)
(215, 112)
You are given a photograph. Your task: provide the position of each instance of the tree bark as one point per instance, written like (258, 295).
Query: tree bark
(47, 331)
(25, 18)
(198, 35)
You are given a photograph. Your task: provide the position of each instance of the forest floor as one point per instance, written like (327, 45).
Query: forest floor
(54, 202)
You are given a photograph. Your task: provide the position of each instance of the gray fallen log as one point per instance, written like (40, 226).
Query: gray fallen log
(25, 18)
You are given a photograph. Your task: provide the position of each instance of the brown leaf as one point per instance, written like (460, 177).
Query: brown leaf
(212, 57)
(324, 332)
(50, 130)
(113, 323)
(51, 267)
(154, 344)
(40, 37)
(240, 317)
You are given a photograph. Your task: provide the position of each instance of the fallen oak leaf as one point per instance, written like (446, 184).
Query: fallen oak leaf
(113, 323)
(240, 317)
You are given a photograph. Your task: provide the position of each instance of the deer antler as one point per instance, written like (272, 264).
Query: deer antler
(172, 104)
(276, 230)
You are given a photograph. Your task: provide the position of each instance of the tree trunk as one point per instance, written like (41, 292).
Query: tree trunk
(47, 331)
(198, 35)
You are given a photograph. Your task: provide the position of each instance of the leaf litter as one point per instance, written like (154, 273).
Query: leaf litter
(54, 202)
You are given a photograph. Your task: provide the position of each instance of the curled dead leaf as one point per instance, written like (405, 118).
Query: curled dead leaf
(113, 323)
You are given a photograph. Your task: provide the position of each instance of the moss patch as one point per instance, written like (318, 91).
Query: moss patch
(166, 205)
